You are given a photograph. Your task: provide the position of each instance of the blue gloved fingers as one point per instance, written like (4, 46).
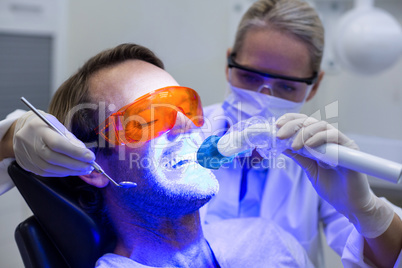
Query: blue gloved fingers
(50, 161)
(308, 165)
(61, 145)
(72, 147)
(45, 169)
(43, 151)
(314, 135)
(46, 162)
(346, 190)
(310, 132)
(290, 124)
(319, 133)
(288, 117)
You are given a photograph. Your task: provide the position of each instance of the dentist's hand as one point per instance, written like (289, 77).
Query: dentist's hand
(43, 151)
(346, 190)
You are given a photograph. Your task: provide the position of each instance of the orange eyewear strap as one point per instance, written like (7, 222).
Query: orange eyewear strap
(151, 115)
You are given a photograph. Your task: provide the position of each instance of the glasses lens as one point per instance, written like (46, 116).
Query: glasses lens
(152, 115)
(281, 88)
(147, 124)
(188, 102)
(245, 79)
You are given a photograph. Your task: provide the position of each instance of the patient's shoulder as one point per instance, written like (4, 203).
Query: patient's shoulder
(111, 260)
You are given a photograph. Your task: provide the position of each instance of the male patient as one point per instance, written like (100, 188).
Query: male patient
(126, 106)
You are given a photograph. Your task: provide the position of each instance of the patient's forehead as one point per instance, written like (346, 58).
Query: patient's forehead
(121, 84)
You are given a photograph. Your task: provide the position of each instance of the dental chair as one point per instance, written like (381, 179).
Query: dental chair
(59, 234)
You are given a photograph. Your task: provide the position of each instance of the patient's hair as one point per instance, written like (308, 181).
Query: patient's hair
(294, 17)
(69, 102)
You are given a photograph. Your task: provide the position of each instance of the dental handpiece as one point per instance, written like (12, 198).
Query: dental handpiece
(216, 151)
(123, 184)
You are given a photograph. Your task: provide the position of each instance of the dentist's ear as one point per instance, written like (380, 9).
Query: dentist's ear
(95, 179)
(316, 86)
(228, 52)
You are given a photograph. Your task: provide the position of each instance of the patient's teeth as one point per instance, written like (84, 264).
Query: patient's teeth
(181, 160)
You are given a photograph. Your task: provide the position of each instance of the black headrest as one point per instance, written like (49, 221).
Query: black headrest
(35, 246)
(81, 238)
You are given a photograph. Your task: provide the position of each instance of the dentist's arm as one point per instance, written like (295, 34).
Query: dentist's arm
(346, 190)
(6, 144)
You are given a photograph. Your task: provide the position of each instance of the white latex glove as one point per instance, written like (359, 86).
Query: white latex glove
(346, 190)
(43, 151)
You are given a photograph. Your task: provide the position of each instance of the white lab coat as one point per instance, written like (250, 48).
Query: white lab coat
(288, 198)
(5, 180)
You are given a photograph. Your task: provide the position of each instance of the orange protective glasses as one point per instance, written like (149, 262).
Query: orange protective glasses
(151, 115)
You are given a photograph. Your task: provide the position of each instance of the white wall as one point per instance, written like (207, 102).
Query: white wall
(191, 37)
(369, 105)
(13, 210)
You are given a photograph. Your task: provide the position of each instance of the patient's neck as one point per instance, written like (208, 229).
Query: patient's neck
(163, 241)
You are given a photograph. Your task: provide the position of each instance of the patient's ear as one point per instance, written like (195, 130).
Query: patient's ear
(95, 179)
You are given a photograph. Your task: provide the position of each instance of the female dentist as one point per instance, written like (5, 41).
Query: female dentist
(273, 69)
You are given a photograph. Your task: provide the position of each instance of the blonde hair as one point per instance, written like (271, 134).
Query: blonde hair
(288, 16)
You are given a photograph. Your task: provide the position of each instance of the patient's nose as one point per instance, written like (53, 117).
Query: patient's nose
(183, 125)
(266, 89)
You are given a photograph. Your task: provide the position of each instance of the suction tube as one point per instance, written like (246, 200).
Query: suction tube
(261, 135)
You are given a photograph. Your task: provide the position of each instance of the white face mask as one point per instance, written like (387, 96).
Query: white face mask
(241, 104)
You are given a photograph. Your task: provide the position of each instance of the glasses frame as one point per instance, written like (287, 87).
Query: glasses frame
(114, 121)
(233, 64)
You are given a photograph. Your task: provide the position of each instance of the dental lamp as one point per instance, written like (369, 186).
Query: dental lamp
(260, 134)
(368, 40)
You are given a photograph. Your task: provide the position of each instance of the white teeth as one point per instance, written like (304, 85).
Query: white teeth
(181, 160)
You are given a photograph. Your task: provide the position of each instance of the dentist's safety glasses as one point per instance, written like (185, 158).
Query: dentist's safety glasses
(284, 87)
(151, 115)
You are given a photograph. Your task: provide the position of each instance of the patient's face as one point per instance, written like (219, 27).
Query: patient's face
(168, 178)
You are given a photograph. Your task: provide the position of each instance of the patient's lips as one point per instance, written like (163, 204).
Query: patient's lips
(179, 161)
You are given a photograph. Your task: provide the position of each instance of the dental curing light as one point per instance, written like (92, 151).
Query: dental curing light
(216, 151)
